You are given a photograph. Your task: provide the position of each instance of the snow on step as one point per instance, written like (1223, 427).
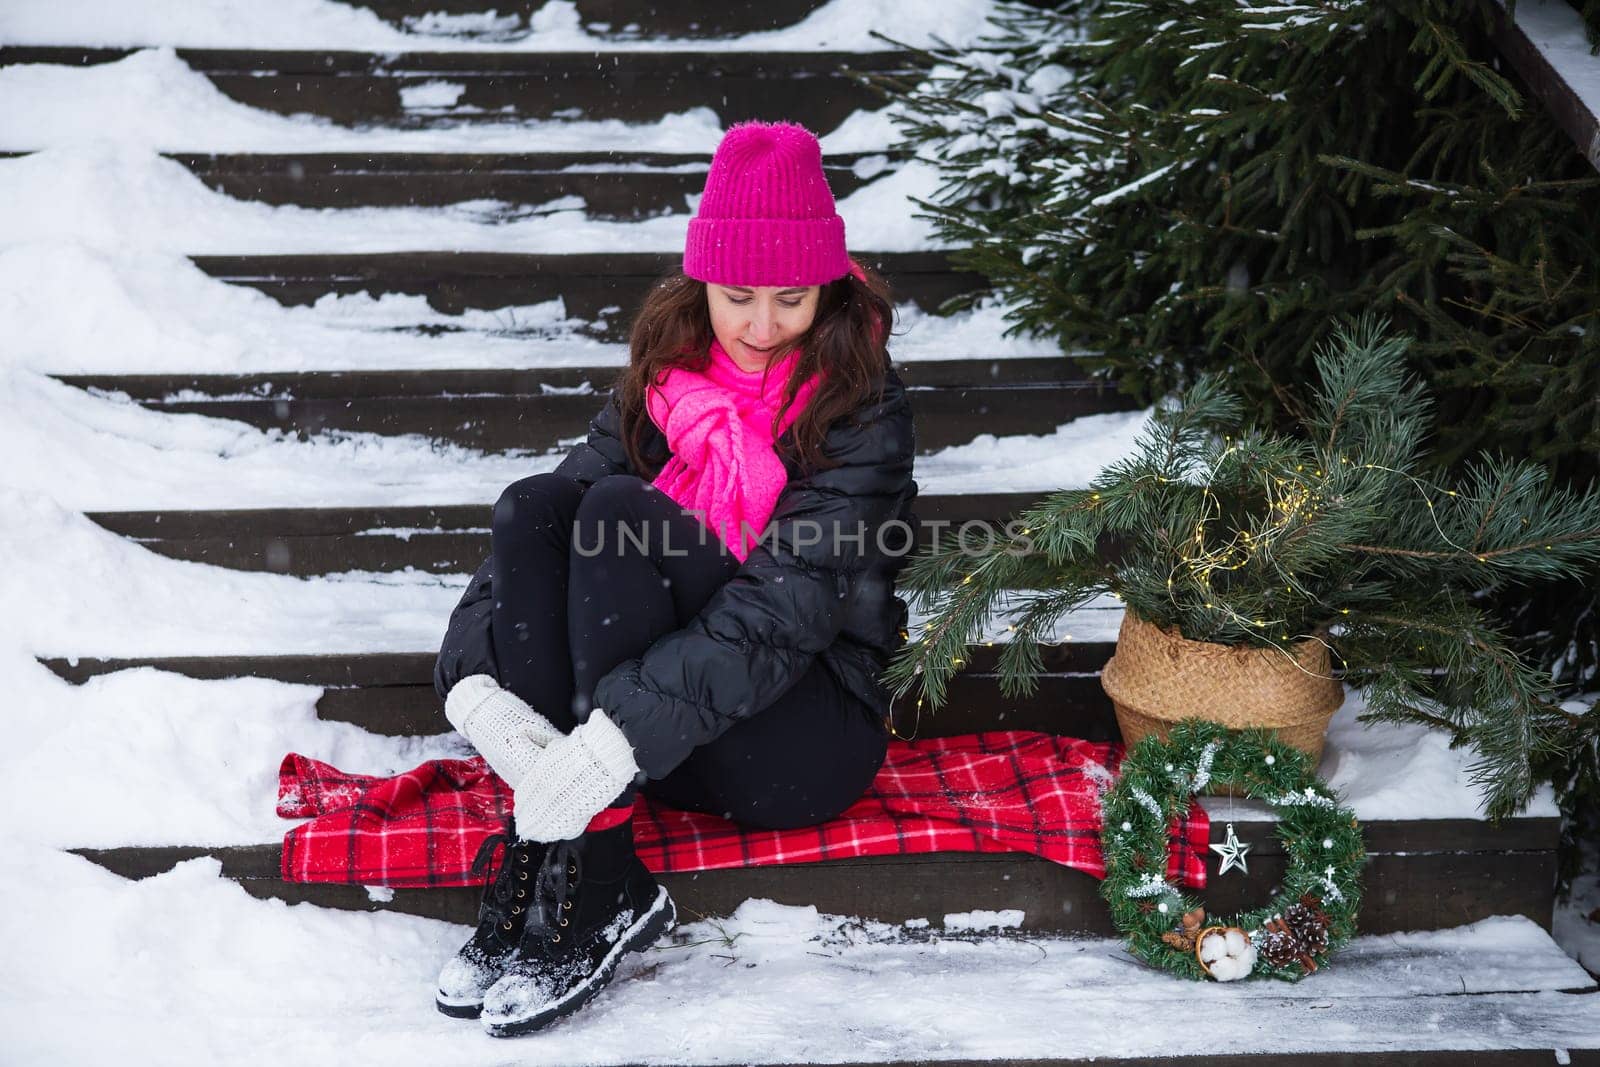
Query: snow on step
(98, 453)
(106, 194)
(192, 965)
(180, 110)
(1550, 48)
(499, 89)
(119, 599)
(554, 27)
(536, 411)
(608, 185)
(81, 308)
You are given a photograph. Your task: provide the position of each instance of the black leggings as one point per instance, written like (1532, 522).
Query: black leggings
(566, 612)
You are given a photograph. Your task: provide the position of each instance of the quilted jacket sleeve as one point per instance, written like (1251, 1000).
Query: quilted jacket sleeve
(761, 631)
(468, 648)
(602, 452)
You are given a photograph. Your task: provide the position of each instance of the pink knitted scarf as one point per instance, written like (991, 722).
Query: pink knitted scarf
(719, 426)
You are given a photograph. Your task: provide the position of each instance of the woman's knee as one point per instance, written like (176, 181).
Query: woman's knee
(618, 511)
(541, 503)
(614, 496)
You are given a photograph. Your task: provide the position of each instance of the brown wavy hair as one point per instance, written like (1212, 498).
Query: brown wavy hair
(846, 341)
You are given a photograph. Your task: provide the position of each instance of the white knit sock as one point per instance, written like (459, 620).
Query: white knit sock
(501, 726)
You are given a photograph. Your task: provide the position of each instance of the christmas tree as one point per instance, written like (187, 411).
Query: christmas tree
(1590, 10)
(1174, 186)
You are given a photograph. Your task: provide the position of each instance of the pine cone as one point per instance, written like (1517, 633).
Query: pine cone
(1315, 904)
(1294, 937)
(1278, 946)
(1309, 925)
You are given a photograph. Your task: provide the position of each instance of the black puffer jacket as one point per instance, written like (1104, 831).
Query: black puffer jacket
(803, 595)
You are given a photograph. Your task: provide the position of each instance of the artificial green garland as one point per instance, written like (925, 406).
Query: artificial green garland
(1321, 839)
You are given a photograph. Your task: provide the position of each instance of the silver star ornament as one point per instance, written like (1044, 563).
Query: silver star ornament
(1232, 851)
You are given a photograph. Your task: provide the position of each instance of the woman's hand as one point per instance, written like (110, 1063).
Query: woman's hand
(572, 780)
(501, 726)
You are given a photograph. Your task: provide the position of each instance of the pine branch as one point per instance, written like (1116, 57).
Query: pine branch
(1577, 539)
(1497, 706)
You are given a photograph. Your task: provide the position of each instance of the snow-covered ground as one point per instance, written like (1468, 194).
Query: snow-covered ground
(192, 968)
(94, 230)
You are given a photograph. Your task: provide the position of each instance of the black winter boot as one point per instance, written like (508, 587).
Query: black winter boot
(501, 916)
(595, 901)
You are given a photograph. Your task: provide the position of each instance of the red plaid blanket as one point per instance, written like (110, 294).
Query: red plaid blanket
(988, 792)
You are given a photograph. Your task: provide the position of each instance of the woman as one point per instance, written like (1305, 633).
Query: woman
(698, 601)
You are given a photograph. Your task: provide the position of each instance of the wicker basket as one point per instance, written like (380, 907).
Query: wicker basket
(1157, 678)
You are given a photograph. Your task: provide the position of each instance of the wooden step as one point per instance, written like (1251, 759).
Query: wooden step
(817, 89)
(1421, 875)
(439, 540)
(392, 693)
(598, 288)
(619, 19)
(1548, 49)
(613, 185)
(543, 410)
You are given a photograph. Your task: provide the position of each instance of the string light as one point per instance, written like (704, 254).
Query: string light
(1294, 499)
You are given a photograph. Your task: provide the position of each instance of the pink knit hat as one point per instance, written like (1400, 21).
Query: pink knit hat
(767, 217)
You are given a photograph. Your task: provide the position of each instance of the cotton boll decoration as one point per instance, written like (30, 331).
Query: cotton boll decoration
(1225, 953)
(1225, 969)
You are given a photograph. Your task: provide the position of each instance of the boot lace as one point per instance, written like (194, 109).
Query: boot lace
(505, 886)
(561, 874)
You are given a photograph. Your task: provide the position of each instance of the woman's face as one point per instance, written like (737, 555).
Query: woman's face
(760, 324)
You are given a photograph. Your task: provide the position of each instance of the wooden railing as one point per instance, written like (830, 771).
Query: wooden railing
(1546, 45)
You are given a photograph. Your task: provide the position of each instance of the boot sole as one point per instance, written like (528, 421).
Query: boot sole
(641, 935)
(463, 1009)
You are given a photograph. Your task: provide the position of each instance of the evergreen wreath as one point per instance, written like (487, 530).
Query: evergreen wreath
(1313, 912)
